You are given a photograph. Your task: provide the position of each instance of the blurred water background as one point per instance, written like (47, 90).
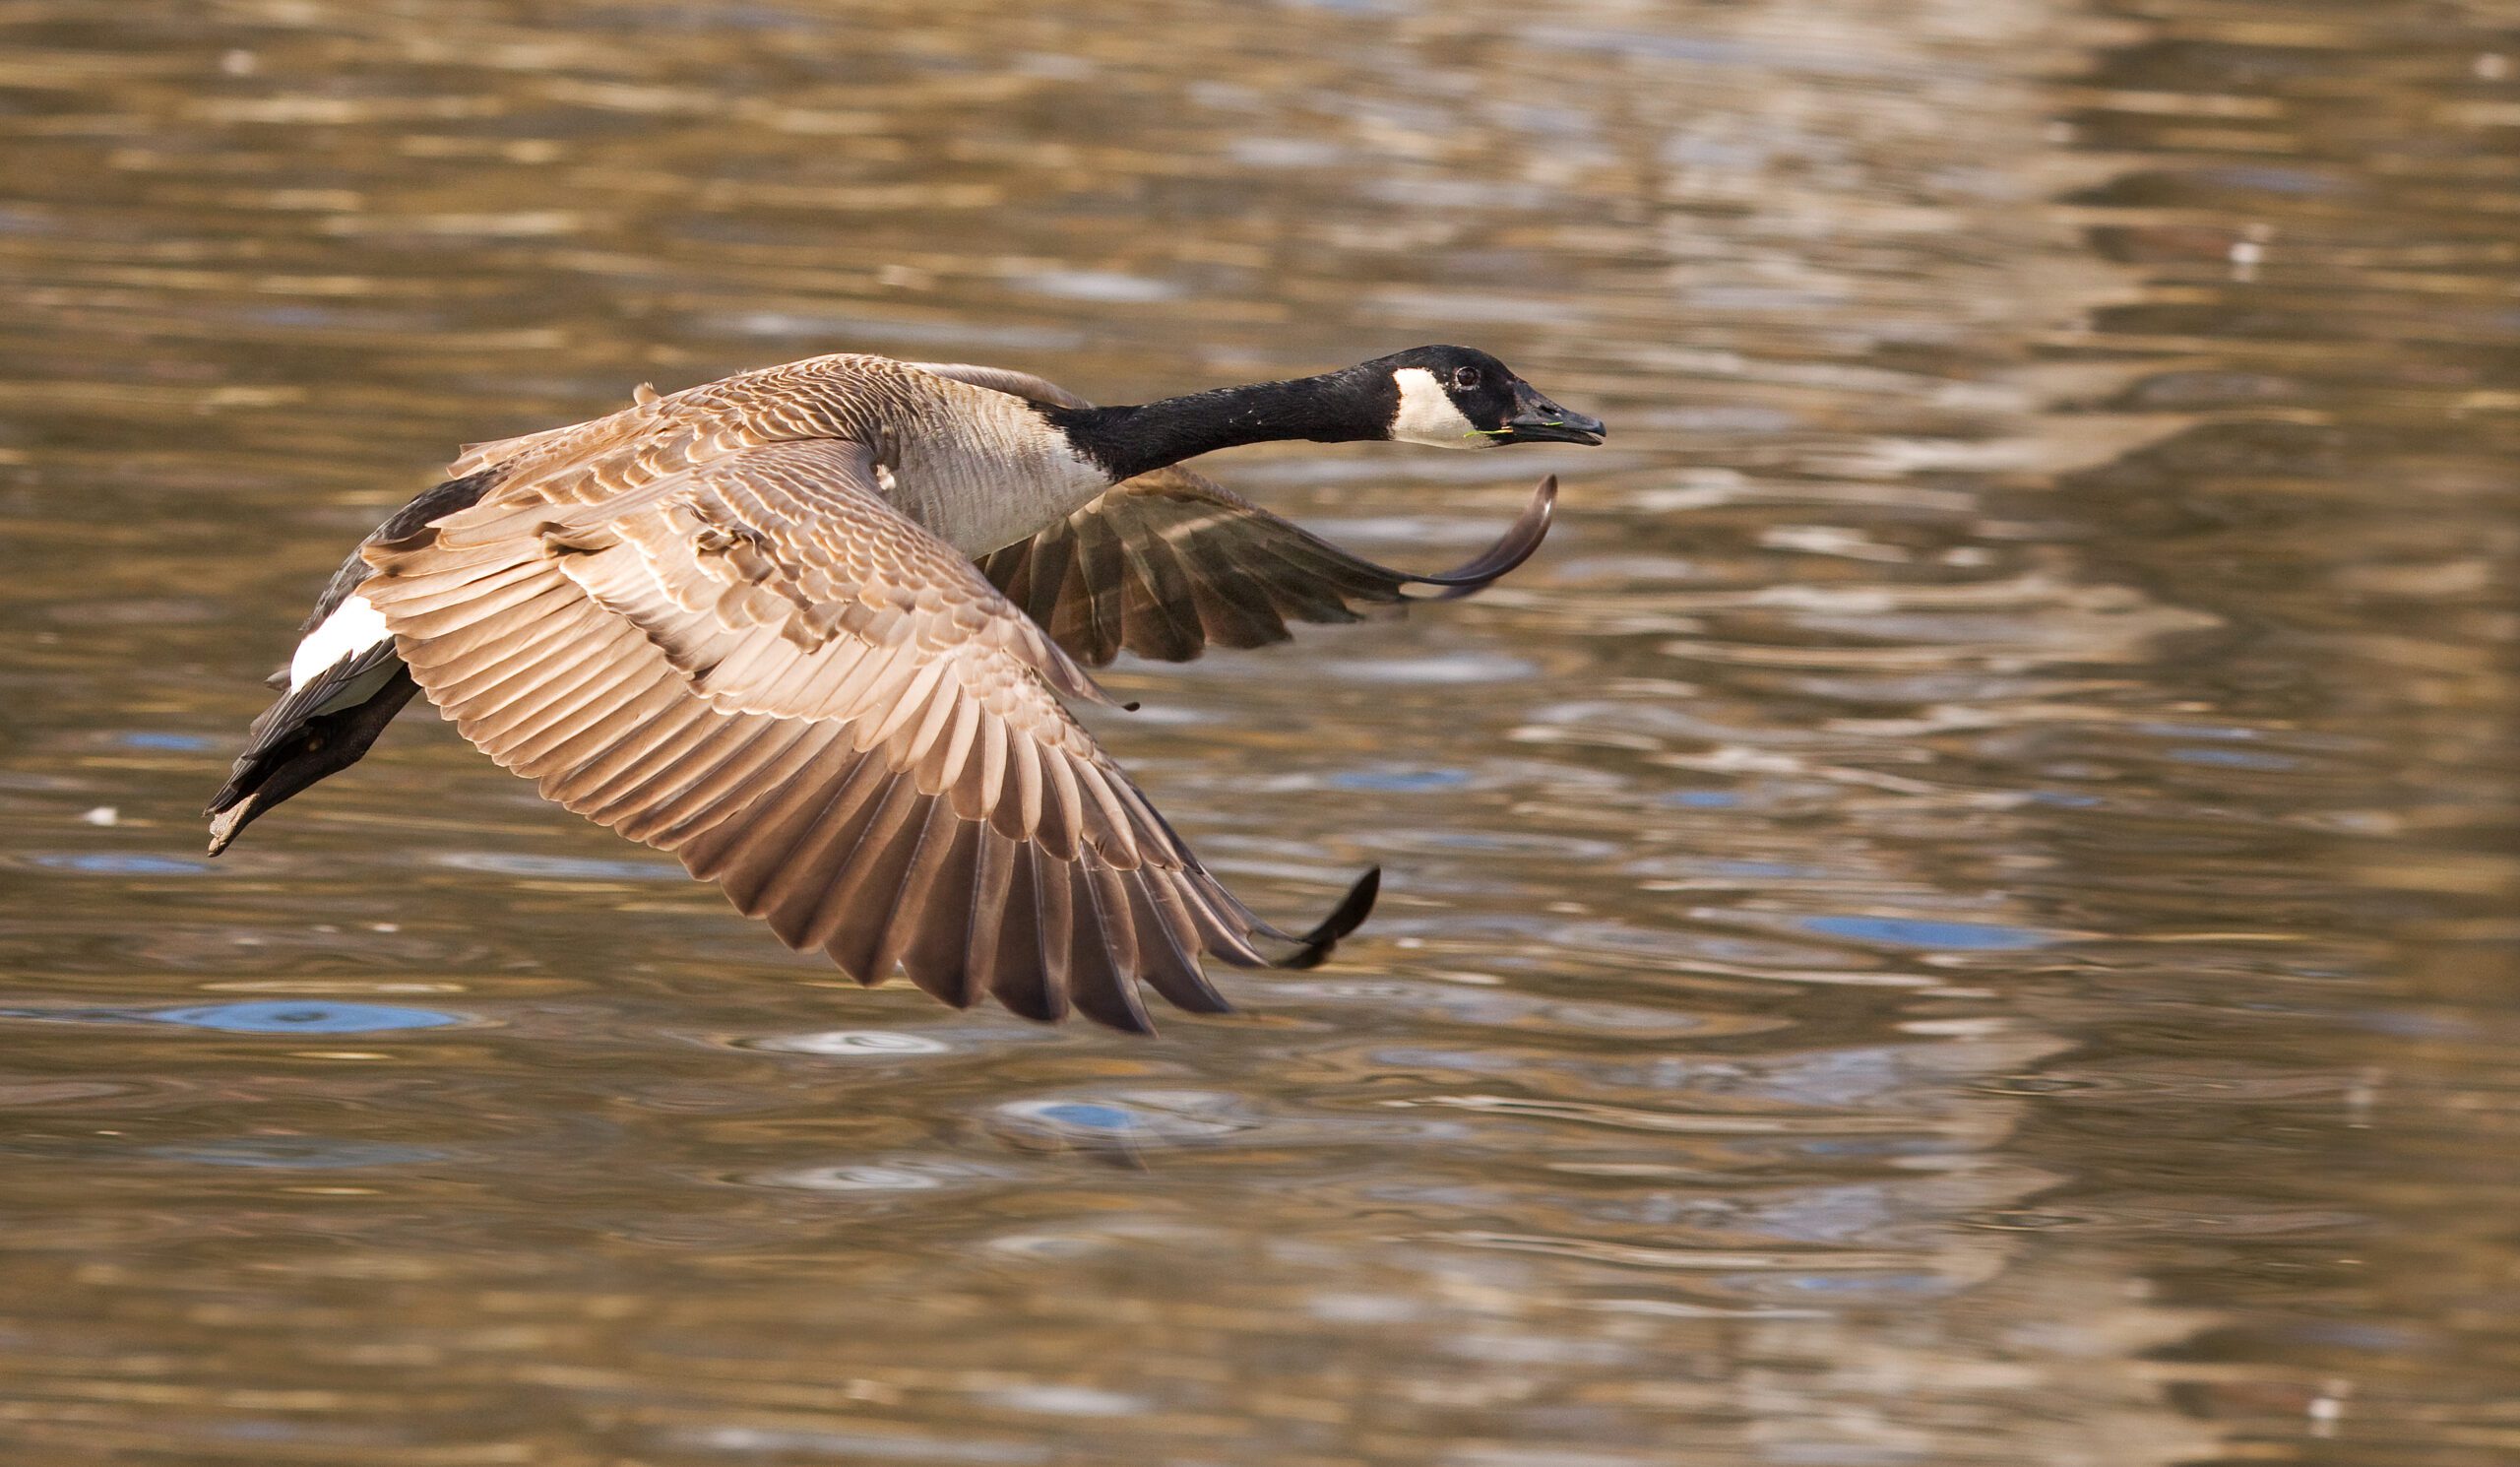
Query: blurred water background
(1961, 911)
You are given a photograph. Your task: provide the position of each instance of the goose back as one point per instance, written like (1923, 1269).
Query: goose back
(978, 468)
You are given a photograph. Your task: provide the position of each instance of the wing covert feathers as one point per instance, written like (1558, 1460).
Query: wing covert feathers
(753, 661)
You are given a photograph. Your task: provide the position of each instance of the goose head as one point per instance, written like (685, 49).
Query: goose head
(1455, 397)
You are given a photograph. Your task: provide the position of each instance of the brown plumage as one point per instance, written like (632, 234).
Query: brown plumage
(742, 624)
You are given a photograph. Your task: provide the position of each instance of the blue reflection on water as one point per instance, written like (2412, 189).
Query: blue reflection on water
(1086, 1115)
(1703, 800)
(299, 1016)
(295, 1154)
(2160, 730)
(1908, 931)
(2235, 758)
(150, 738)
(1400, 780)
(1174, 1118)
(2063, 799)
(124, 864)
(2259, 178)
(1775, 870)
(562, 867)
(1868, 1283)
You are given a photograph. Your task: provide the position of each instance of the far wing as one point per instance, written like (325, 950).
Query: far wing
(1169, 561)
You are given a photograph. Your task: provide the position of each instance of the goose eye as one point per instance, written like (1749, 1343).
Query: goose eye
(1466, 377)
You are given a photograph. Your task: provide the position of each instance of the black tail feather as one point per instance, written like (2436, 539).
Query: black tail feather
(297, 752)
(292, 747)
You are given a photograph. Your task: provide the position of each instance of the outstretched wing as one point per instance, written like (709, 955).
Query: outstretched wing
(1169, 561)
(757, 663)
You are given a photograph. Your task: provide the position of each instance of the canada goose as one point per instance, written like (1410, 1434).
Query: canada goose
(742, 622)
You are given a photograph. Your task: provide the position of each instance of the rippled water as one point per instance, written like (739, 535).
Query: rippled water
(1960, 912)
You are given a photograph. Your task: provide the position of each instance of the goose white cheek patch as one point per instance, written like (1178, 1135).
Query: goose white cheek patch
(1428, 415)
(353, 627)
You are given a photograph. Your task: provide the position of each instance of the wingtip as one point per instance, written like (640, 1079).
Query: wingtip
(1349, 915)
(1518, 545)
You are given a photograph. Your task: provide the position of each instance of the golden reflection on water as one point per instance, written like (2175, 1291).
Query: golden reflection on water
(1959, 913)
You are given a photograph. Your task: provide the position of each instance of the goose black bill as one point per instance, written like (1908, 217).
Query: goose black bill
(1537, 419)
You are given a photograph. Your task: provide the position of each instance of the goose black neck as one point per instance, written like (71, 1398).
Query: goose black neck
(1334, 407)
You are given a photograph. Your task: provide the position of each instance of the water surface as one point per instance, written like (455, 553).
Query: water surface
(1959, 913)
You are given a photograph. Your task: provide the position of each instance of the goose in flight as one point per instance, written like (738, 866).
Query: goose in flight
(809, 628)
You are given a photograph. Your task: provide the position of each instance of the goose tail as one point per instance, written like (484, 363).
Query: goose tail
(291, 748)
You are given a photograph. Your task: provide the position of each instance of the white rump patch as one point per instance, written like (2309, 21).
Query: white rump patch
(353, 627)
(1428, 415)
